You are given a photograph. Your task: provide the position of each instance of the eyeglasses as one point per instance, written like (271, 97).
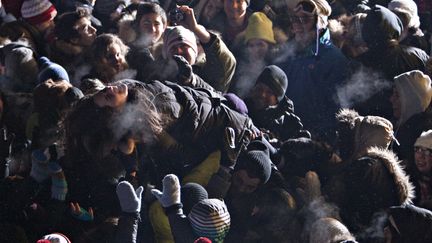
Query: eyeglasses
(426, 152)
(300, 20)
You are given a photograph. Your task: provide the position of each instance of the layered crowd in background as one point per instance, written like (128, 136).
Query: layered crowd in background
(215, 121)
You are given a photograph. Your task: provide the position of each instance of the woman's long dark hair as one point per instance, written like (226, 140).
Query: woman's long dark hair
(92, 132)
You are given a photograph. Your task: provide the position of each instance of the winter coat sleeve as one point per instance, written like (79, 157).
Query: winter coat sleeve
(180, 226)
(220, 64)
(198, 82)
(127, 228)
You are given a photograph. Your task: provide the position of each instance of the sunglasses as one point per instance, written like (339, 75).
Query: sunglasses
(426, 152)
(306, 6)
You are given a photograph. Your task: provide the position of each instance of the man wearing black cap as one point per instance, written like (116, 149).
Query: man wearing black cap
(270, 109)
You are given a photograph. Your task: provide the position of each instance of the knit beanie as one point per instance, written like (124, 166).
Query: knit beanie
(51, 70)
(176, 35)
(408, 7)
(38, 11)
(210, 218)
(415, 93)
(380, 26)
(190, 194)
(259, 27)
(235, 103)
(320, 8)
(54, 238)
(73, 95)
(425, 140)
(256, 162)
(203, 240)
(329, 230)
(276, 79)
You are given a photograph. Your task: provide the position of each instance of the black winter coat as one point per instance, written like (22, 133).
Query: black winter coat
(197, 121)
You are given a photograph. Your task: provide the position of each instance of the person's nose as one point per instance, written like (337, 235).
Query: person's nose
(235, 5)
(92, 29)
(179, 50)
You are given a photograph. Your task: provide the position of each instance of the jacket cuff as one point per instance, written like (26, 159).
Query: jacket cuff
(176, 208)
(213, 39)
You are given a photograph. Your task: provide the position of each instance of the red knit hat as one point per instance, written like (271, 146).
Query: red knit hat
(203, 240)
(38, 11)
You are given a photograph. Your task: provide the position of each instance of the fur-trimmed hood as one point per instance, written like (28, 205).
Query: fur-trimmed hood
(405, 188)
(358, 133)
(371, 184)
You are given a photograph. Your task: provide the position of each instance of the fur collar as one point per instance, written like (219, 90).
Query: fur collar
(404, 186)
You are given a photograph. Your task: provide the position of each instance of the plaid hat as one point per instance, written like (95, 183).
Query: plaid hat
(51, 70)
(276, 79)
(210, 218)
(178, 35)
(38, 11)
(259, 27)
(425, 140)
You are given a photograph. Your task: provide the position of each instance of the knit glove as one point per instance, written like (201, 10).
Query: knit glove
(59, 187)
(171, 191)
(130, 199)
(311, 189)
(80, 213)
(44, 164)
(185, 72)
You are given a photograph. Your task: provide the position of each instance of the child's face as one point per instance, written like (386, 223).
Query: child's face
(423, 159)
(86, 31)
(257, 49)
(114, 61)
(113, 96)
(235, 9)
(152, 25)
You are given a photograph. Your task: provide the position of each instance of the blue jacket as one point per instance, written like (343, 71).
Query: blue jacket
(312, 85)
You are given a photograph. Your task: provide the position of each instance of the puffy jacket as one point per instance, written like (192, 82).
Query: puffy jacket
(195, 123)
(312, 84)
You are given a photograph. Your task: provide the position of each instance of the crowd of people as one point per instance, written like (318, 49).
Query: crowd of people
(292, 121)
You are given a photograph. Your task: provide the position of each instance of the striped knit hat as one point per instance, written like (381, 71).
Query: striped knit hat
(38, 11)
(210, 218)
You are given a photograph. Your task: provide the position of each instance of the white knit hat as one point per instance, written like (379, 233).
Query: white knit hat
(38, 11)
(408, 7)
(415, 93)
(425, 140)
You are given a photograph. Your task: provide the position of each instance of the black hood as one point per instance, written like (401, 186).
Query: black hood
(414, 224)
(380, 26)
